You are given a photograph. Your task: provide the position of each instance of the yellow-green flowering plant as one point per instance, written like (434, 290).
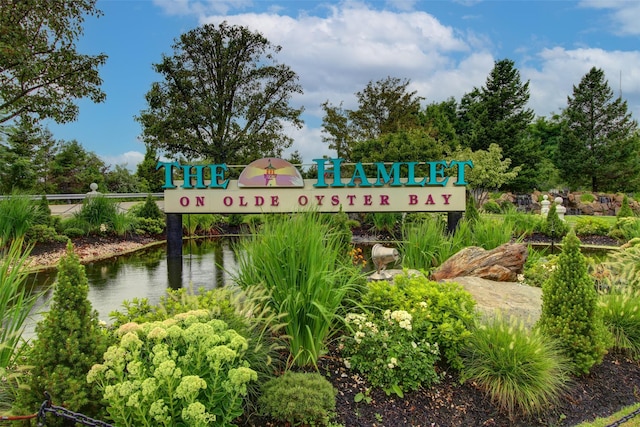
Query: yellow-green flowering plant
(187, 370)
(389, 352)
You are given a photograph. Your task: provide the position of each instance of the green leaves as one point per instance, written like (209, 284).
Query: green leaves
(42, 71)
(224, 97)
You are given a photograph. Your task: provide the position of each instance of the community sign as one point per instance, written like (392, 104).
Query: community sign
(273, 185)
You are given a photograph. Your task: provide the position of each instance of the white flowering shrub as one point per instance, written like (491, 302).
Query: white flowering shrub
(442, 312)
(389, 352)
(187, 370)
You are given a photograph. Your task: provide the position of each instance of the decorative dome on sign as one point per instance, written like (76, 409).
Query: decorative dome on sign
(270, 172)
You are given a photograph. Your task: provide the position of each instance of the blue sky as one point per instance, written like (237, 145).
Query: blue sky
(446, 48)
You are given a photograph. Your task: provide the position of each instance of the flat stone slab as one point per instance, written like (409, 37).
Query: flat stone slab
(508, 298)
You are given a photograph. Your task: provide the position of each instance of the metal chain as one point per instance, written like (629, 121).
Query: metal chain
(59, 411)
(624, 419)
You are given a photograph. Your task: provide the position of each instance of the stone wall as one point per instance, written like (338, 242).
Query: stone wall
(603, 203)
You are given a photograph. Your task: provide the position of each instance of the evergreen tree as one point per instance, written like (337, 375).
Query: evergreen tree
(625, 209)
(570, 311)
(69, 342)
(151, 179)
(553, 226)
(24, 159)
(600, 145)
(497, 114)
(73, 169)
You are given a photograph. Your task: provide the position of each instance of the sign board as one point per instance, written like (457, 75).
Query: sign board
(273, 185)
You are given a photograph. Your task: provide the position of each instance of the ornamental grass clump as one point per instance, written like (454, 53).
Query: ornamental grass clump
(621, 315)
(188, 370)
(304, 267)
(522, 371)
(16, 301)
(570, 310)
(389, 352)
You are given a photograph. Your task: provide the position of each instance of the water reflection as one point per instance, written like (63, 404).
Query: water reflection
(146, 274)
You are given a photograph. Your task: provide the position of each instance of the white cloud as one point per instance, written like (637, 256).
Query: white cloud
(130, 160)
(200, 8)
(308, 142)
(624, 15)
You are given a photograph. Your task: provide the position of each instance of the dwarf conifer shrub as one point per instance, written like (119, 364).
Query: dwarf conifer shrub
(69, 341)
(625, 209)
(299, 398)
(150, 209)
(570, 310)
(554, 227)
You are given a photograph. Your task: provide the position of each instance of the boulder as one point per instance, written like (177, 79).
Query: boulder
(502, 264)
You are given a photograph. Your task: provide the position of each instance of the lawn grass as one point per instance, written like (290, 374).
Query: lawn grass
(602, 422)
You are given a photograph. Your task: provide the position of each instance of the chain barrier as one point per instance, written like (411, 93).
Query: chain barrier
(624, 419)
(59, 411)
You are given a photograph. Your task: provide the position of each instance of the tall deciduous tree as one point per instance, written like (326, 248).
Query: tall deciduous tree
(600, 145)
(404, 146)
(497, 114)
(41, 72)
(224, 98)
(384, 107)
(336, 130)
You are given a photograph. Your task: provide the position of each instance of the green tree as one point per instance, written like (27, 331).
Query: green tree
(73, 169)
(497, 114)
(548, 132)
(442, 119)
(69, 342)
(570, 311)
(224, 97)
(336, 130)
(121, 180)
(600, 145)
(384, 107)
(41, 72)
(149, 176)
(490, 171)
(403, 146)
(25, 159)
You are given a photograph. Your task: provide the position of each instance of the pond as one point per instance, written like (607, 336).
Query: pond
(145, 274)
